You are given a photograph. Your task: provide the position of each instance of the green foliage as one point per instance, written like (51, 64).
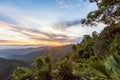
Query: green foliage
(85, 49)
(100, 69)
(109, 68)
(22, 73)
(41, 72)
(65, 70)
(90, 59)
(115, 45)
(43, 68)
(113, 64)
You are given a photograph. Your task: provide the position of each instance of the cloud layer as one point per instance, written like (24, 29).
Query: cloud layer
(22, 27)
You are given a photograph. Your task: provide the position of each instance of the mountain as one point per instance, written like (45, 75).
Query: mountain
(7, 66)
(8, 53)
(56, 53)
(30, 54)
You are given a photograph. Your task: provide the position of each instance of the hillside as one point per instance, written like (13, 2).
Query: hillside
(7, 67)
(56, 52)
(10, 53)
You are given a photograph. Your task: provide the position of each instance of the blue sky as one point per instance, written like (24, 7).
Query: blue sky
(43, 22)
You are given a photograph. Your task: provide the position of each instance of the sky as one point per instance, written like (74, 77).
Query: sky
(44, 22)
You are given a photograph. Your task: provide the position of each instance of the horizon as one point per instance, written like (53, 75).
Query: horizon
(44, 22)
(20, 47)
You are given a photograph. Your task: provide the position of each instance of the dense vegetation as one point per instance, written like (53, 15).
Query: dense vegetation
(97, 57)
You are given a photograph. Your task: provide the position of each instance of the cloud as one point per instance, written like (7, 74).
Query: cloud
(62, 26)
(19, 28)
(71, 4)
(35, 34)
(11, 42)
(13, 15)
(40, 35)
(30, 28)
(72, 23)
(1, 41)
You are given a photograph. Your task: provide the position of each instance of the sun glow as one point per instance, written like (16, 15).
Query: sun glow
(33, 42)
(49, 43)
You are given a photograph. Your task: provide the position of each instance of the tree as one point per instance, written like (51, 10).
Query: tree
(41, 72)
(94, 34)
(43, 68)
(74, 47)
(22, 73)
(104, 43)
(65, 70)
(108, 12)
(115, 45)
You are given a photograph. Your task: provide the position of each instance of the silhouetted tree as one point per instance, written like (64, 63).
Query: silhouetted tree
(108, 12)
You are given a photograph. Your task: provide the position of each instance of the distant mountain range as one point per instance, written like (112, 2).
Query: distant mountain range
(12, 58)
(56, 52)
(6, 53)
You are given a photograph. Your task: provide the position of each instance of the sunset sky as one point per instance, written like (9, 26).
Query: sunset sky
(44, 22)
